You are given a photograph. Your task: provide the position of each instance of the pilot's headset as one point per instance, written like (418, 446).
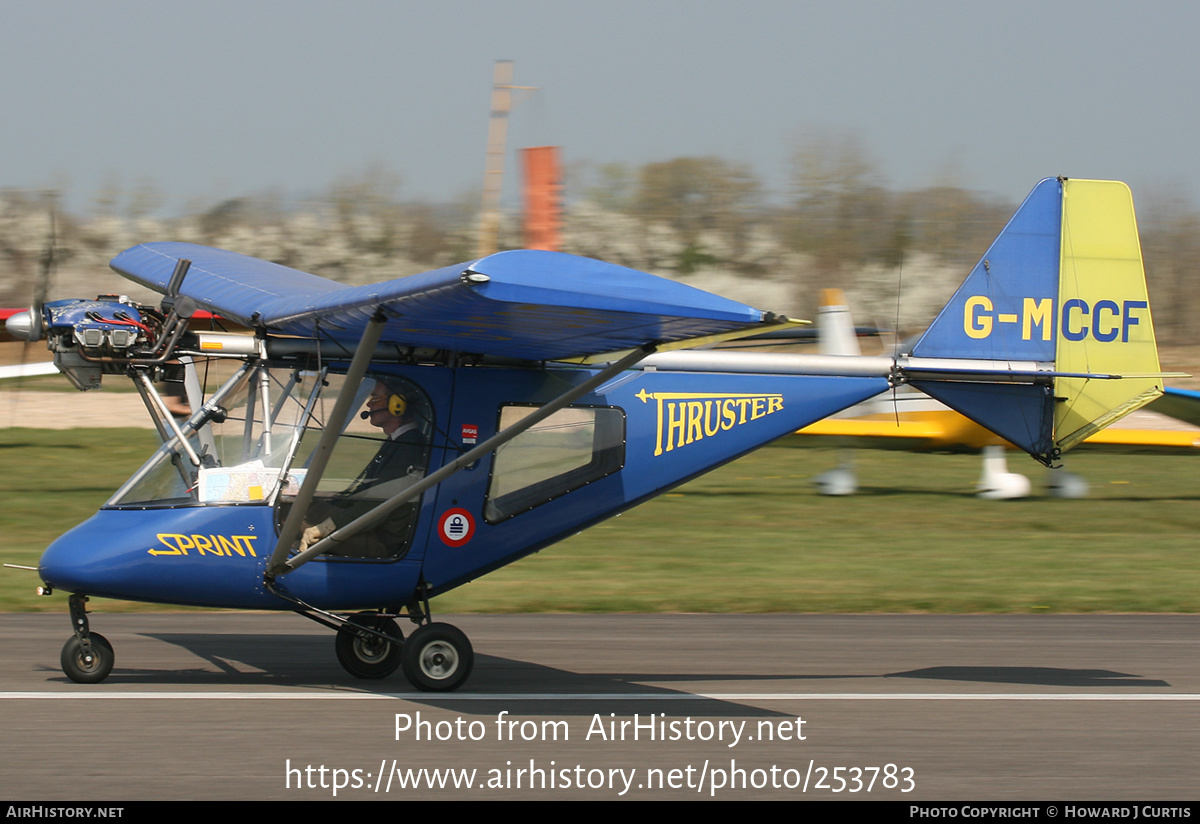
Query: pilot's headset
(397, 402)
(405, 399)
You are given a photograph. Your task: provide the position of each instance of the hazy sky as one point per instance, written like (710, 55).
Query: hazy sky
(217, 99)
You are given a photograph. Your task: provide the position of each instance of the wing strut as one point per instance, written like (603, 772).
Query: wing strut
(379, 513)
(320, 458)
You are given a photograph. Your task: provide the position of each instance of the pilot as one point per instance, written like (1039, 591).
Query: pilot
(399, 463)
(404, 451)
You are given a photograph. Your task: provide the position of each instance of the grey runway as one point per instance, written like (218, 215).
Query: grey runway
(255, 706)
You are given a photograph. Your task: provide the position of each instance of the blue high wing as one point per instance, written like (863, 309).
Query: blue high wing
(525, 304)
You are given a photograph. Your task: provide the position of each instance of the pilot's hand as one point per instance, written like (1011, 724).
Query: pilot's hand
(315, 533)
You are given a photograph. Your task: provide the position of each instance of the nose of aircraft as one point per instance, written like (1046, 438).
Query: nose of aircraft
(207, 556)
(21, 325)
(75, 563)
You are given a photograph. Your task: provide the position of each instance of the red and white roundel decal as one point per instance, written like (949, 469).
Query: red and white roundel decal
(456, 527)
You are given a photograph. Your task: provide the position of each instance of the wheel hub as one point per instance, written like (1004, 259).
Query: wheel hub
(439, 660)
(371, 649)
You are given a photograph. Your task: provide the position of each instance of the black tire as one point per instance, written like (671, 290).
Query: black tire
(366, 656)
(438, 658)
(91, 670)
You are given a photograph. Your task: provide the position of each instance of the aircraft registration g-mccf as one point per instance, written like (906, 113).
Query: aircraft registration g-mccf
(512, 401)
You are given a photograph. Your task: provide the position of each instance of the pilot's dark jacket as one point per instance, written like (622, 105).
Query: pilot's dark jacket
(402, 455)
(399, 463)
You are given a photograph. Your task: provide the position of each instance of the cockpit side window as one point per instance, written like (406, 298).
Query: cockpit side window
(383, 450)
(570, 449)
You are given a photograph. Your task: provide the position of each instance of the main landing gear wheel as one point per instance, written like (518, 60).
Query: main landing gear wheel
(438, 658)
(368, 656)
(89, 668)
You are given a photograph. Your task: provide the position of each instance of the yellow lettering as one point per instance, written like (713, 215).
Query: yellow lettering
(177, 544)
(1037, 314)
(674, 425)
(695, 421)
(204, 545)
(728, 416)
(977, 325)
(716, 427)
(658, 433)
(688, 421)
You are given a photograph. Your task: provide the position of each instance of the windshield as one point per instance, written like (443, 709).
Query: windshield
(252, 439)
(238, 444)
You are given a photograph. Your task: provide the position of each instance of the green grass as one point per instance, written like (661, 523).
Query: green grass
(754, 537)
(50, 481)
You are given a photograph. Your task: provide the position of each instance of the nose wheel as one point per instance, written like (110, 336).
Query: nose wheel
(89, 665)
(87, 657)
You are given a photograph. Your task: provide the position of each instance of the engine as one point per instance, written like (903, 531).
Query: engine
(91, 338)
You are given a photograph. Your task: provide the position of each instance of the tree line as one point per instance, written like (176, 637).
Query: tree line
(897, 254)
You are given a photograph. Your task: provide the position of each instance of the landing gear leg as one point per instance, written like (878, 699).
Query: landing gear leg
(436, 657)
(87, 657)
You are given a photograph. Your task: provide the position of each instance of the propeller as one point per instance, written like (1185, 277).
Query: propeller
(28, 326)
(42, 287)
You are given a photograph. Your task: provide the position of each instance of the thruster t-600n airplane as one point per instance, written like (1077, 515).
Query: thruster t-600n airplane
(512, 401)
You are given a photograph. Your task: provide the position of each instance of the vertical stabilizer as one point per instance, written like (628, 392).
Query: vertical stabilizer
(1002, 311)
(1061, 290)
(836, 334)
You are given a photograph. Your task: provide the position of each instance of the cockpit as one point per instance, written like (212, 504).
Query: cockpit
(252, 440)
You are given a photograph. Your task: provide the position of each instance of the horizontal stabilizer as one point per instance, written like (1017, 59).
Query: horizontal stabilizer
(1183, 404)
(1019, 413)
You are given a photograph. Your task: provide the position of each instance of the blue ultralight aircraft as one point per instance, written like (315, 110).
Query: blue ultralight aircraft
(512, 401)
